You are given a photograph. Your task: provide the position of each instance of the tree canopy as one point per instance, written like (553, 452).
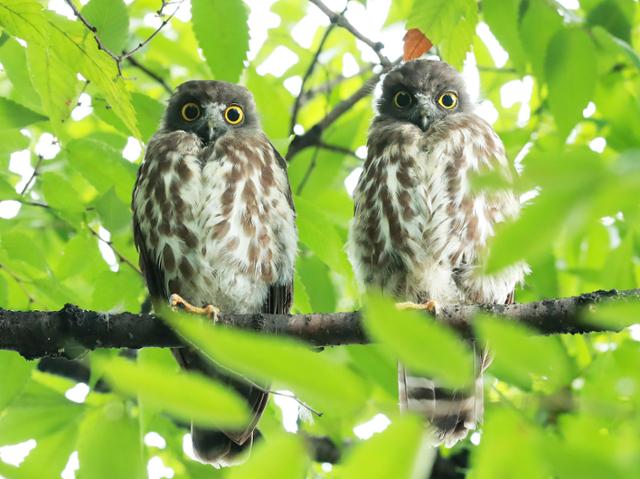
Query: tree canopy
(83, 85)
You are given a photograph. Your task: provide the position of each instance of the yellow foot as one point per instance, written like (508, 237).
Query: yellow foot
(429, 305)
(177, 302)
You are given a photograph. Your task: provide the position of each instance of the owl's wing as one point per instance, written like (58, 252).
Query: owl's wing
(150, 267)
(468, 146)
(280, 296)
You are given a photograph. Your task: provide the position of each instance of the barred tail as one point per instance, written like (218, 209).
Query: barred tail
(451, 413)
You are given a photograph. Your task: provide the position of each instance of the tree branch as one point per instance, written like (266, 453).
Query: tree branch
(340, 20)
(151, 74)
(298, 102)
(72, 330)
(125, 54)
(312, 137)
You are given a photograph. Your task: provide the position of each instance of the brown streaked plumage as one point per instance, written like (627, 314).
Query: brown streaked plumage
(214, 223)
(419, 232)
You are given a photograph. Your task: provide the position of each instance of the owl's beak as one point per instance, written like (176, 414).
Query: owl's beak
(215, 129)
(426, 109)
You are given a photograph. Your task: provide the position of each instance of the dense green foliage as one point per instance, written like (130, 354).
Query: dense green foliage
(565, 407)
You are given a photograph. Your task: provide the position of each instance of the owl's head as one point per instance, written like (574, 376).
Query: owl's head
(423, 92)
(210, 109)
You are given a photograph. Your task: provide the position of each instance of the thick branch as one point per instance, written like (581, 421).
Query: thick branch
(72, 330)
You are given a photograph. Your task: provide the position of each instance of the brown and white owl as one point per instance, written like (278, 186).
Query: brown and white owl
(214, 224)
(419, 232)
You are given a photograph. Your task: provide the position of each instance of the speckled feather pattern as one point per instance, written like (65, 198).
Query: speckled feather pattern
(215, 224)
(420, 233)
(217, 220)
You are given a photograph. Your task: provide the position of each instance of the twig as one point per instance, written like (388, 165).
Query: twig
(125, 54)
(338, 149)
(330, 85)
(313, 136)
(33, 175)
(120, 256)
(307, 174)
(73, 330)
(20, 282)
(483, 68)
(344, 23)
(135, 63)
(312, 65)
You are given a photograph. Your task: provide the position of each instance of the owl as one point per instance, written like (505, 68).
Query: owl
(419, 231)
(214, 225)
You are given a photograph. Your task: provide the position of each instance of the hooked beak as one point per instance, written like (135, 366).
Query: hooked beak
(427, 113)
(210, 131)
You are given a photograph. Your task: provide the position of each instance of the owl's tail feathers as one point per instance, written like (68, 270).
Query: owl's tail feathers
(450, 413)
(216, 447)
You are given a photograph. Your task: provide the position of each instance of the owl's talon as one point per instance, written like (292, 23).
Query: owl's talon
(177, 302)
(430, 305)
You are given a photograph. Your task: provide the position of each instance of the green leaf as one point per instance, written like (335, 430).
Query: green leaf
(222, 32)
(12, 140)
(399, 11)
(103, 167)
(321, 237)
(60, 193)
(301, 302)
(615, 314)
(620, 270)
(570, 55)
(569, 180)
(39, 417)
(23, 19)
(55, 81)
(519, 356)
(520, 443)
(14, 60)
(15, 371)
(539, 24)
(50, 456)
(114, 213)
(502, 16)
(611, 15)
(22, 247)
(399, 452)
(111, 20)
(109, 433)
(186, 395)
(421, 343)
(15, 116)
(282, 456)
(149, 113)
(605, 38)
(264, 358)
(449, 24)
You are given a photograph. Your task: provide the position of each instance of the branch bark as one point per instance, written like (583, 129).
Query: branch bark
(71, 331)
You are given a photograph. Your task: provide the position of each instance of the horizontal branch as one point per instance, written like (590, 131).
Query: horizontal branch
(71, 331)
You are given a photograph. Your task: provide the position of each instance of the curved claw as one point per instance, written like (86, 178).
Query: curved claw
(177, 302)
(429, 305)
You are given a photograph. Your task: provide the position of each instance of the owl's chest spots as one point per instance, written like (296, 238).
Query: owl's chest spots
(207, 221)
(401, 206)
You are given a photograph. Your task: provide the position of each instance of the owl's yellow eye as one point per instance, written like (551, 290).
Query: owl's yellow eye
(233, 115)
(190, 111)
(402, 99)
(448, 100)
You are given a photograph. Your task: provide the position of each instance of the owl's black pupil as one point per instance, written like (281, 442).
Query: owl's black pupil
(447, 100)
(191, 112)
(233, 114)
(403, 99)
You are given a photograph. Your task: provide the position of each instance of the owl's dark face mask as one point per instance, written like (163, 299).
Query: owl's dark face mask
(210, 109)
